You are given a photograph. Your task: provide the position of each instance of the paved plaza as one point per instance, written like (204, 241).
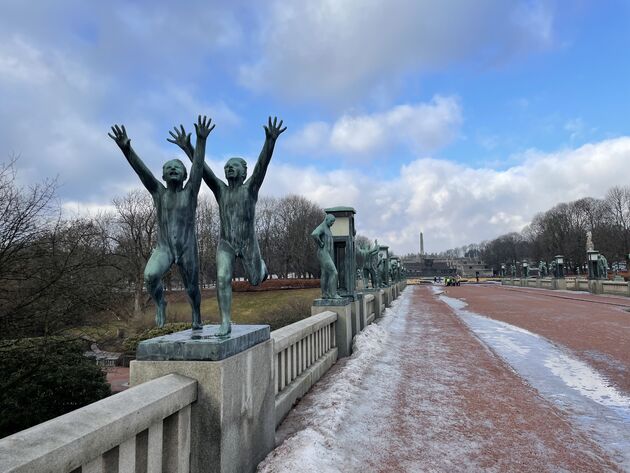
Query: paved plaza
(473, 378)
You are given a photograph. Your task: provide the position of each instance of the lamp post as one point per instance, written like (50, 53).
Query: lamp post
(525, 269)
(502, 270)
(593, 269)
(343, 232)
(559, 267)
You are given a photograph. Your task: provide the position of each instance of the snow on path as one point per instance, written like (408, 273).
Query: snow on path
(311, 449)
(568, 382)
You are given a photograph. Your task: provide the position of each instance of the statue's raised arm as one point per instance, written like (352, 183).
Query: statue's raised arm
(182, 139)
(272, 131)
(143, 172)
(203, 129)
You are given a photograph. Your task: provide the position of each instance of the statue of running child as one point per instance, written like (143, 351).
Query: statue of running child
(329, 276)
(237, 212)
(175, 206)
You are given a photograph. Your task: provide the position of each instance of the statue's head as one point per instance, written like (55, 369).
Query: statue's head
(174, 170)
(330, 219)
(235, 168)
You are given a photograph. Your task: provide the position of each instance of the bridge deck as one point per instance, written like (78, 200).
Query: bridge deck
(424, 393)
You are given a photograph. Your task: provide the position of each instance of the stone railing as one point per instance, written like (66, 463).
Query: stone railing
(619, 288)
(303, 352)
(370, 303)
(146, 428)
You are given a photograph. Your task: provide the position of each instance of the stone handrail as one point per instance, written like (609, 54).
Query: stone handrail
(303, 352)
(370, 303)
(146, 426)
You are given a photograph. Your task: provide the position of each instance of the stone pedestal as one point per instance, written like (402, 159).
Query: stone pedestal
(387, 291)
(559, 283)
(343, 308)
(595, 286)
(362, 310)
(233, 420)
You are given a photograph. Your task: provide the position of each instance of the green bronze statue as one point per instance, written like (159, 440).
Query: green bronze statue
(324, 239)
(364, 258)
(237, 211)
(175, 206)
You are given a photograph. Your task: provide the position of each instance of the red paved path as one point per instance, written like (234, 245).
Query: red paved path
(595, 328)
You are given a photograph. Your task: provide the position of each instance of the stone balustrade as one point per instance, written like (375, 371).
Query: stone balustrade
(370, 302)
(303, 352)
(619, 288)
(146, 428)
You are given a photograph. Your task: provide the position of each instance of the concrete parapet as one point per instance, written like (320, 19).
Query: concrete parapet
(233, 419)
(343, 327)
(158, 411)
(559, 283)
(363, 310)
(379, 303)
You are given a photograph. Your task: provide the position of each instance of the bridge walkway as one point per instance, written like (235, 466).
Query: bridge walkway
(423, 393)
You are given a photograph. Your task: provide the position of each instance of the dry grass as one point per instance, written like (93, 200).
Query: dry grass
(276, 308)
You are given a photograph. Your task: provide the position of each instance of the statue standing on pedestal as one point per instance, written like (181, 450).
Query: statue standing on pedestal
(176, 206)
(237, 212)
(602, 267)
(365, 256)
(324, 239)
(542, 269)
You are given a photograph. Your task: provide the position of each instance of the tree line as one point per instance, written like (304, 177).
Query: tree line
(562, 230)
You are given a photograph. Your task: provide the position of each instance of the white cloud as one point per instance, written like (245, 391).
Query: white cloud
(454, 204)
(422, 127)
(333, 50)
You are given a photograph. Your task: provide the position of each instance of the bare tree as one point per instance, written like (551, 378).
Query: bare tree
(134, 233)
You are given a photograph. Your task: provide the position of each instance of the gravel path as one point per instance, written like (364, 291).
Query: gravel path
(423, 393)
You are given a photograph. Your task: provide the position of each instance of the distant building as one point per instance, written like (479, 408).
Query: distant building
(418, 266)
(472, 267)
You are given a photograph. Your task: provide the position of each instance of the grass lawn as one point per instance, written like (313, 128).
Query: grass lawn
(276, 308)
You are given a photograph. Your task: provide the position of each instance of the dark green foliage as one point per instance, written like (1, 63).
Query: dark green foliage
(44, 378)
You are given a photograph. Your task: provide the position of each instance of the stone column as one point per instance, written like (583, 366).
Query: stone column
(233, 420)
(362, 310)
(343, 308)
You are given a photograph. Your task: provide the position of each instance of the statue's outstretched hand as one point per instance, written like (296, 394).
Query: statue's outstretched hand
(273, 130)
(203, 127)
(120, 137)
(180, 138)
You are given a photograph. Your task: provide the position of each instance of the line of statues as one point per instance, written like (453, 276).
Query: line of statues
(176, 204)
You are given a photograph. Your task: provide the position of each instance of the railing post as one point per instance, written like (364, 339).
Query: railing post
(233, 420)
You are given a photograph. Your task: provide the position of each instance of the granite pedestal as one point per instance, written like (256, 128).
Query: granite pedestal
(363, 315)
(233, 420)
(559, 283)
(343, 328)
(387, 292)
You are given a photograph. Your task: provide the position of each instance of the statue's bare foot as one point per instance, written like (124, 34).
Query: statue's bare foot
(224, 330)
(197, 325)
(160, 315)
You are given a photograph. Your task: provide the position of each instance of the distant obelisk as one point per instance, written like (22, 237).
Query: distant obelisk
(421, 244)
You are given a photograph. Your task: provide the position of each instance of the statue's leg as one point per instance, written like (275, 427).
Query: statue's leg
(254, 265)
(189, 271)
(158, 264)
(225, 268)
(331, 279)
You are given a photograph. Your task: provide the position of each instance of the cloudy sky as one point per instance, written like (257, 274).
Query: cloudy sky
(458, 118)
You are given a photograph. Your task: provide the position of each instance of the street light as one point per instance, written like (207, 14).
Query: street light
(559, 266)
